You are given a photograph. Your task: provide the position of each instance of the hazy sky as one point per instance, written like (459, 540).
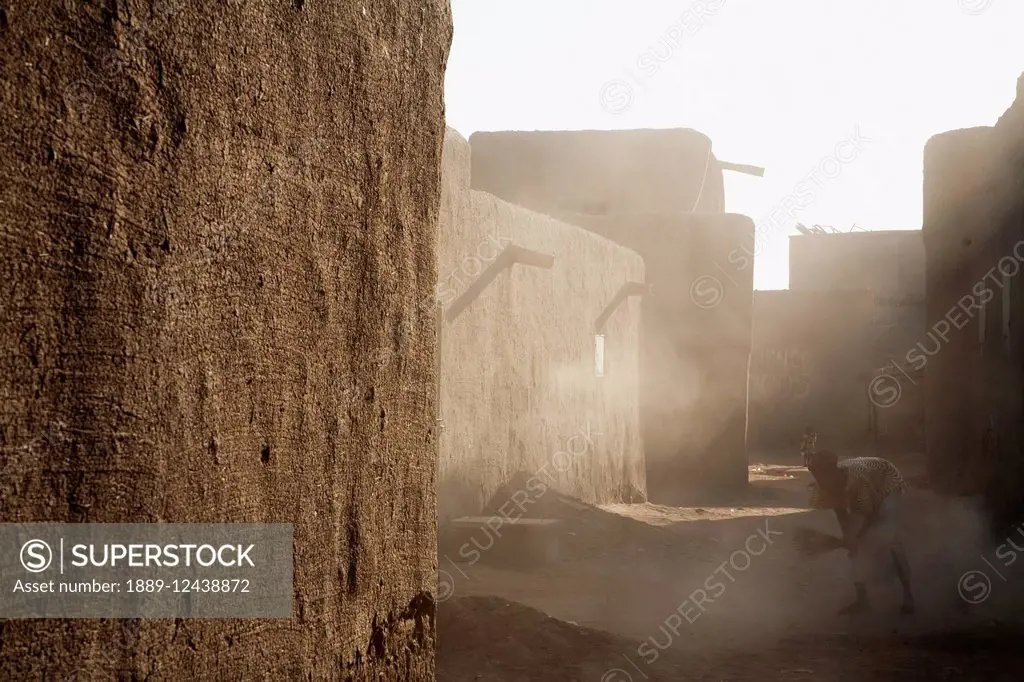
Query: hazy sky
(774, 83)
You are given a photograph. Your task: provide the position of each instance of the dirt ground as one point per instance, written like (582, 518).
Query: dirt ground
(648, 592)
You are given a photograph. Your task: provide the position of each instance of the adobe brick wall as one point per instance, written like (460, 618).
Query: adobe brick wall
(519, 384)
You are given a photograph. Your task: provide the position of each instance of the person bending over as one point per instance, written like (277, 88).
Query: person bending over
(866, 494)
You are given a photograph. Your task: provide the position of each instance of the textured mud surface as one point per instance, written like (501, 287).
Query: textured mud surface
(216, 223)
(518, 391)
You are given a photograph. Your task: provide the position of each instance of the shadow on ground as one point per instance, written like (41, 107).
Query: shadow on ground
(718, 592)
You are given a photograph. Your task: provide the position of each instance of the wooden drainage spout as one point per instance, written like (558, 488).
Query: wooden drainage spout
(628, 290)
(508, 257)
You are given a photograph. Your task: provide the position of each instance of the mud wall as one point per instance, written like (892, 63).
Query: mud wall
(218, 221)
(519, 381)
(888, 262)
(810, 365)
(600, 172)
(952, 202)
(695, 346)
(891, 266)
(973, 229)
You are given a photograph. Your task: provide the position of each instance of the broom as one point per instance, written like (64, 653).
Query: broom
(812, 543)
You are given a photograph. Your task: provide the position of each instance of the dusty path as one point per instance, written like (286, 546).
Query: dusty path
(493, 640)
(721, 591)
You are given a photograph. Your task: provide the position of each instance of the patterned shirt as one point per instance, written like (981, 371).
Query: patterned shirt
(869, 480)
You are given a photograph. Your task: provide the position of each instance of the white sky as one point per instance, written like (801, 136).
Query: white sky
(774, 83)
